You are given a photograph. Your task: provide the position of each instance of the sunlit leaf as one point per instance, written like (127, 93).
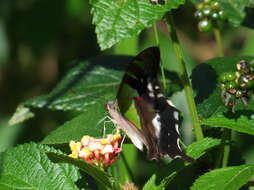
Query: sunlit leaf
(120, 19)
(231, 178)
(22, 113)
(28, 167)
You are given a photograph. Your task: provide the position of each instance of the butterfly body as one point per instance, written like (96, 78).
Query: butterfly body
(159, 119)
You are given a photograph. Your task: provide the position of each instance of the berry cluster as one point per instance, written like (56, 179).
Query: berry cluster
(100, 152)
(208, 12)
(237, 85)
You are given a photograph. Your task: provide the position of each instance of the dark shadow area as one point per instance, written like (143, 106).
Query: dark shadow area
(238, 113)
(248, 20)
(204, 80)
(175, 83)
(86, 181)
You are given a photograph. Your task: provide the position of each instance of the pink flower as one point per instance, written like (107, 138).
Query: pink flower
(100, 152)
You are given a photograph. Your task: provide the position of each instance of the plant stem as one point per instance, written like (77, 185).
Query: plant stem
(218, 40)
(157, 41)
(226, 151)
(156, 35)
(185, 80)
(223, 154)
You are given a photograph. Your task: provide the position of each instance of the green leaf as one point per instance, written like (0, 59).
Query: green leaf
(151, 183)
(88, 123)
(120, 19)
(27, 167)
(22, 113)
(241, 124)
(164, 183)
(100, 176)
(86, 83)
(207, 89)
(199, 148)
(231, 178)
(234, 10)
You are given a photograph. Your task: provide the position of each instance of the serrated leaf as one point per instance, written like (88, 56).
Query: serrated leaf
(231, 178)
(100, 176)
(199, 148)
(241, 124)
(120, 19)
(234, 10)
(205, 84)
(88, 123)
(22, 113)
(88, 82)
(28, 167)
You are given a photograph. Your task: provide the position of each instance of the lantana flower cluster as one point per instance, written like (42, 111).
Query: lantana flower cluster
(100, 152)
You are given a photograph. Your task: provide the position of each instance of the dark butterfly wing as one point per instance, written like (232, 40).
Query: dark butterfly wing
(158, 117)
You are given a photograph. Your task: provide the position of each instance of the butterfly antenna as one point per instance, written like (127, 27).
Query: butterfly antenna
(122, 141)
(104, 123)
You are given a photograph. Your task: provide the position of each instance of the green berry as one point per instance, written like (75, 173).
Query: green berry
(207, 11)
(199, 14)
(238, 93)
(223, 78)
(223, 86)
(205, 25)
(215, 5)
(231, 85)
(200, 6)
(230, 76)
(222, 15)
(215, 15)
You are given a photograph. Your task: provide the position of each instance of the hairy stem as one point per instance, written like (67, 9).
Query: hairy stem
(185, 80)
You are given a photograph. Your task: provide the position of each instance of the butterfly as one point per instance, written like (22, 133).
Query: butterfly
(157, 127)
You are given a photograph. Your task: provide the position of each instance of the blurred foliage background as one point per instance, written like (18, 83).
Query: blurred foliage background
(40, 38)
